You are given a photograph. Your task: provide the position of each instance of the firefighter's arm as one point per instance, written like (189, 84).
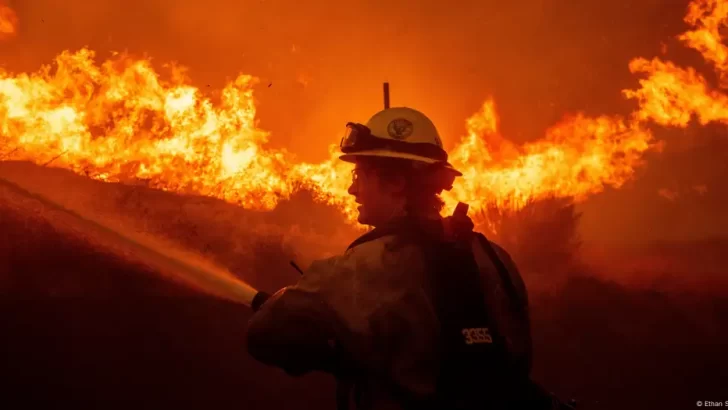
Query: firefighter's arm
(293, 330)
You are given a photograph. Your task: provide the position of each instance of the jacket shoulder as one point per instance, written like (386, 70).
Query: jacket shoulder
(369, 263)
(386, 252)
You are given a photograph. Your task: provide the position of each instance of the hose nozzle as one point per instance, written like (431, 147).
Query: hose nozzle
(259, 299)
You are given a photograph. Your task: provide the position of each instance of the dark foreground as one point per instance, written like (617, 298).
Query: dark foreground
(187, 352)
(147, 343)
(82, 328)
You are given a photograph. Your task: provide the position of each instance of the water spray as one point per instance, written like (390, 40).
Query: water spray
(198, 274)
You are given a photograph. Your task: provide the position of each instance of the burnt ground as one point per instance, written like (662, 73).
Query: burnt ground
(84, 327)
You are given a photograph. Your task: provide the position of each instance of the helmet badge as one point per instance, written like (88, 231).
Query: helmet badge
(400, 128)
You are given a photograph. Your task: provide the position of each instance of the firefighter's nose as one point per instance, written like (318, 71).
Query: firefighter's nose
(353, 189)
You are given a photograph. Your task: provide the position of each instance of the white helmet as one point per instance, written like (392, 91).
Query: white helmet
(398, 132)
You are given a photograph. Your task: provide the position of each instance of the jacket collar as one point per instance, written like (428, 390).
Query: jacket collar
(405, 225)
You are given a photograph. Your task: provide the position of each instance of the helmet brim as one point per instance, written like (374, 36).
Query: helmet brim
(351, 157)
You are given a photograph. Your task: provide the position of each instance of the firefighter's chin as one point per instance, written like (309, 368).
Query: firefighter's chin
(363, 217)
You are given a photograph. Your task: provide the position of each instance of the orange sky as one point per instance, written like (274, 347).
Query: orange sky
(326, 61)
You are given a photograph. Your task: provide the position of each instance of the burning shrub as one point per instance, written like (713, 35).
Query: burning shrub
(542, 236)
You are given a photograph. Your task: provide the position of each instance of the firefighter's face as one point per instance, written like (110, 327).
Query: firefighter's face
(379, 200)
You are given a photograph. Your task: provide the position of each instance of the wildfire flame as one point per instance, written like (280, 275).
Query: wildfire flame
(671, 95)
(8, 22)
(120, 121)
(577, 157)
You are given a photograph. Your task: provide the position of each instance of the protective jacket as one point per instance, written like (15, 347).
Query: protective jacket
(412, 316)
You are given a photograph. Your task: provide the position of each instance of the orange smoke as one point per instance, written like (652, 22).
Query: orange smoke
(8, 22)
(121, 121)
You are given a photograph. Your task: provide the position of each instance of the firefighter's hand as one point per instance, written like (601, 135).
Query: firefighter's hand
(291, 330)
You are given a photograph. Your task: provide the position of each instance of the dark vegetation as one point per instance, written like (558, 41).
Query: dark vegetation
(85, 327)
